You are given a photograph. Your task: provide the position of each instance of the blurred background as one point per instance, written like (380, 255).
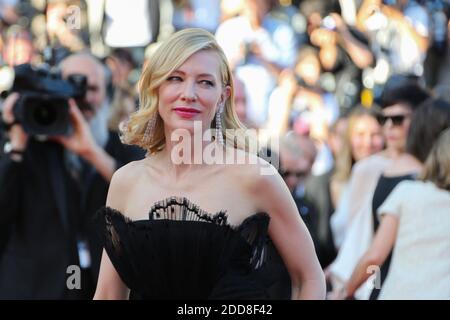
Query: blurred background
(310, 71)
(310, 61)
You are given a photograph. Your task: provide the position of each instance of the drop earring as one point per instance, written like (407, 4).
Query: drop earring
(150, 128)
(219, 131)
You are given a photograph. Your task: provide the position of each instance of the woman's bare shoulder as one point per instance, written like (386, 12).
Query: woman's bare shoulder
(129, 171)
(377, 161)
(256, 174)
(250, 165)
(264, 186)
(123, 182)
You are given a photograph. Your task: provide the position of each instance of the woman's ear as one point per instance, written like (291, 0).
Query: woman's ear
(225, 94)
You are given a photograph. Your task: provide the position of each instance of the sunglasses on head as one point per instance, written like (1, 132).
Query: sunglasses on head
(397, 120)
(297, 174)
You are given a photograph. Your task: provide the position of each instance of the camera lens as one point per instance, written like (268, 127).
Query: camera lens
(44, 115)
(43, 104)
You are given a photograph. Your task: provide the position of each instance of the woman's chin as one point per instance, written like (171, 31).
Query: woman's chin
(189, 125)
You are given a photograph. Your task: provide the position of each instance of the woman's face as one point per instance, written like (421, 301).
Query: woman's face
(192, 92)
(397, 119)
(365, 137)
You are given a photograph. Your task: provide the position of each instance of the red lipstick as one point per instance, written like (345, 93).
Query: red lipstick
(185, 112)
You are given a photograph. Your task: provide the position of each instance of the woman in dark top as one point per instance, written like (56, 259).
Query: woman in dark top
(384, 187)
(421, 137)
(178, 226)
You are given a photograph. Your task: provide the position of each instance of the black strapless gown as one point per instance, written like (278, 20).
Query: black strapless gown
(183, 252)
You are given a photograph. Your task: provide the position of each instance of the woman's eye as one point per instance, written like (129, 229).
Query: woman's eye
(174, 78)
(207, 82)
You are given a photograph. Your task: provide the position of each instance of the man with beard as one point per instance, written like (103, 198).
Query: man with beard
(49, 191)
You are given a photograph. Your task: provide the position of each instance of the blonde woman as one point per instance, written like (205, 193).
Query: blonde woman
(190, 229)
(363, 138)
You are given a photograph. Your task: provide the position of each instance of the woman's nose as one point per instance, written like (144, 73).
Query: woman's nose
(189, 93)
(368, 140)
(389, 123)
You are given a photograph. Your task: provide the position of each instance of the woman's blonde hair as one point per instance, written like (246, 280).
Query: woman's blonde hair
(118, 106)
(437, 165)
(166, 59)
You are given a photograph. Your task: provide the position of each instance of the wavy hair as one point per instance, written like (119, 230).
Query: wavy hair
(169, 56)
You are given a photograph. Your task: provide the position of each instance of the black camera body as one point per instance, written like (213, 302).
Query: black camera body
(43, 108)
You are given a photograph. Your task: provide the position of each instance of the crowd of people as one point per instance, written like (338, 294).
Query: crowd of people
(356, 92)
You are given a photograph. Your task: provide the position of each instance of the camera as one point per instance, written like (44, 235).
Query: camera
(43, 108)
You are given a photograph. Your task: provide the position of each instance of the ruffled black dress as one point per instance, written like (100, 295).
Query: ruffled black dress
(183, 252)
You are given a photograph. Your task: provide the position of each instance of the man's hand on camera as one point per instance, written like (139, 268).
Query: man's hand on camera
(17, 136)
(81, 141)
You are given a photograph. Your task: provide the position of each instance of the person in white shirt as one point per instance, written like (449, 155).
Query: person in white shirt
(414, 223)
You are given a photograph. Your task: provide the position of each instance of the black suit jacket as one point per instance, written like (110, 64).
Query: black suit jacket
(317, 192)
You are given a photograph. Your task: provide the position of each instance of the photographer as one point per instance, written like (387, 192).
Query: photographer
(49, 190)
(343, 52)
(258, 47)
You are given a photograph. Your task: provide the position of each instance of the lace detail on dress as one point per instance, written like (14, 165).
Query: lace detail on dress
(218, 259)
(181, 209)
(253, 229)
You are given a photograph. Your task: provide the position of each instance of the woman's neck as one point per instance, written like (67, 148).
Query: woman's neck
(186, 152)
(393, 153)
(404, 165)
